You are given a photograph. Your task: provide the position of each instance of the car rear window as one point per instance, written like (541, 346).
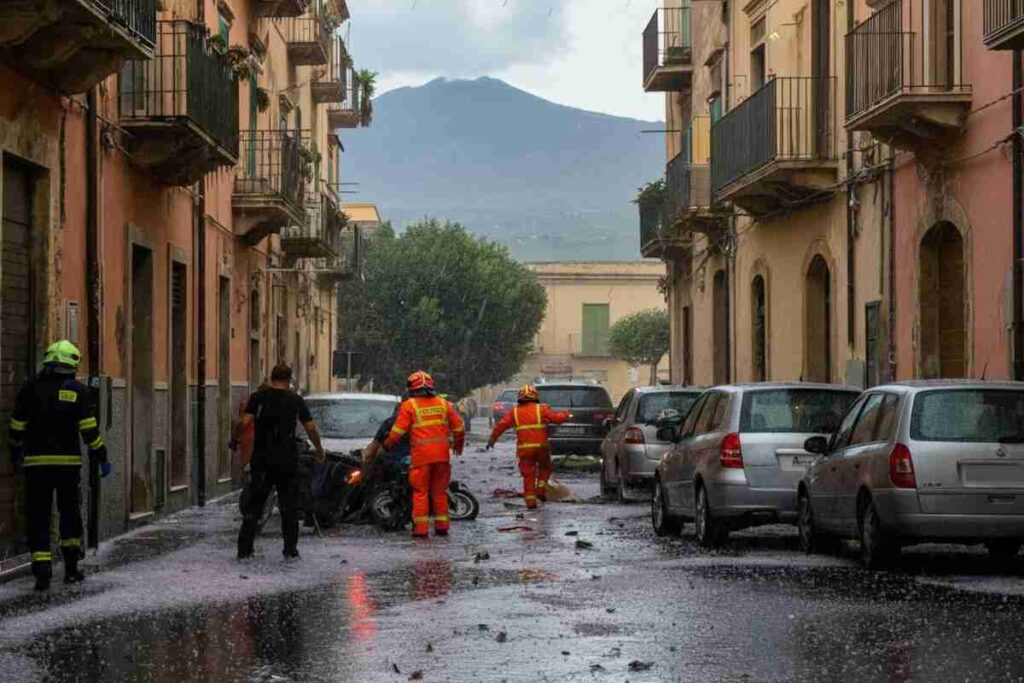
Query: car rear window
(804, 411)
(508, 396)
(575, 397)
(968, 415)
(652, 405)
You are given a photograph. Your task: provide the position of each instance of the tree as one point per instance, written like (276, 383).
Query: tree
(641, 339)
(439, 299)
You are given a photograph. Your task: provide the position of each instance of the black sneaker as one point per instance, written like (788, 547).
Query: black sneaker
(75, 576)
(42, 583)
(292, 555)
(245, 555)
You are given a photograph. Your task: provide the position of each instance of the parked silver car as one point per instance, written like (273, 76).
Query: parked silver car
(632, 449)
(920, 461)
(739, 456)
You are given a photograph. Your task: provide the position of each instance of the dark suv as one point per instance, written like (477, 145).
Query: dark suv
(590, 406)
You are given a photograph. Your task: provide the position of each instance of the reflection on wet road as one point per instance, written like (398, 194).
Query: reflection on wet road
(520, 605)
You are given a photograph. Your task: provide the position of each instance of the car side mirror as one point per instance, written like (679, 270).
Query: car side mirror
(817, 445)
(667, 434)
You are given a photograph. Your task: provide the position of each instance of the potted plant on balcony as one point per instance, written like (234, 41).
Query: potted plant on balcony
(653, 193)
(367, 82)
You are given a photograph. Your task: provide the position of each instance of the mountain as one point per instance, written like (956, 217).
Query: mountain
(550, 181)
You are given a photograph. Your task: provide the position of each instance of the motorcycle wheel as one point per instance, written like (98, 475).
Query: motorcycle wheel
(386, 512)
(462, 505)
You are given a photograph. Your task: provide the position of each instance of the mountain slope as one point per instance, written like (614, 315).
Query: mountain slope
(550, 181)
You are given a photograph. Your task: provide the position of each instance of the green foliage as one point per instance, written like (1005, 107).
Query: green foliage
(440, 299)
(641, 338)
(654, 192)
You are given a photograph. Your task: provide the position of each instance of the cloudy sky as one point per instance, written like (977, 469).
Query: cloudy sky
(583, 53)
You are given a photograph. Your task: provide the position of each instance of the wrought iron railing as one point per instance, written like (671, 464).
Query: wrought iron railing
(788, 119)
(885, 58)
(688, 184)
(186, 79)
(1002, 17)
(309, 28)
(318, 222)
(137, 17)
(349, 106)
(652, 223)
(271, 165)
(667, 39)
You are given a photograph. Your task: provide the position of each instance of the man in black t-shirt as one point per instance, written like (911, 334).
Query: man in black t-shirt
(275, 458)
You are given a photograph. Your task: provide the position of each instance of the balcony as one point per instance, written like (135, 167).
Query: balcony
(180, 109)
(268, 184)
(71, 45)
(345, 114)
(668, 51)
(347, 264)
(900, 87)
(328, 84)
(308, 39)
(279, 9)
(777, 147)
(312, 237)
(689, 203)
(1004, 24)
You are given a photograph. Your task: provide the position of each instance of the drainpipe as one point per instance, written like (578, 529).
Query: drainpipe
(1018, 220)
(851, 264)
(199, 221)
(892, 267)
(92, 297)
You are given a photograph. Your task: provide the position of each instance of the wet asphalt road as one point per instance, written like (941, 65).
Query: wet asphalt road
(169, 603)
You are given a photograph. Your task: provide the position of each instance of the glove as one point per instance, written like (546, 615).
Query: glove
(105, 469)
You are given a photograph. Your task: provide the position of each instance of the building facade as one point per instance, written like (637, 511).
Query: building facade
(858, 219)
(584, 300)
(170, 203)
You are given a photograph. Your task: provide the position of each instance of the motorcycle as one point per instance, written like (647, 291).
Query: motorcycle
(391, 505)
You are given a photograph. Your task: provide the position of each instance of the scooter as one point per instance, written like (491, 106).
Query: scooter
(391, 504)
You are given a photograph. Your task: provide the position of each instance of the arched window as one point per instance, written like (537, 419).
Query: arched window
(818, 322)
(759, 330)
(942, 303)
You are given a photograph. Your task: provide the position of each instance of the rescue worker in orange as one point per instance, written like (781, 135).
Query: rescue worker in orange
(531, 418)
(433, 425)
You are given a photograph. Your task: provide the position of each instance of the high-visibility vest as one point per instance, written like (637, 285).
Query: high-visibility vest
(432, 424)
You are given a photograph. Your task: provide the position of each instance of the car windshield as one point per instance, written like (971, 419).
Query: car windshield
(652, 405)
(575, 397)
(804, 411)
(508, 396)
(969, 415)
(350, 418)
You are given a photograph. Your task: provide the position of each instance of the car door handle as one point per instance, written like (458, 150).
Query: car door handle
(856, 466)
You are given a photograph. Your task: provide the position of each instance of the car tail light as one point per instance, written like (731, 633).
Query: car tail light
(901, 467)
(634, 435)
(730, 455)
(496, 407)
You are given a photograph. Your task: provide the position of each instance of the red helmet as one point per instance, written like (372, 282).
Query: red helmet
(528, 392)
(420, 380)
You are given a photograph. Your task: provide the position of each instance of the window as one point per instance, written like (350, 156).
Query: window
(721, 416)
(757, 54)
(575, 397)
(350, 418)
(889, 419)
(707, 413)
(805, 411)
(652, 405)
(864, 432)
(620, 413)
(691, 418)
(969, 416)
(759, 329)
(842, 435)
(595, 330)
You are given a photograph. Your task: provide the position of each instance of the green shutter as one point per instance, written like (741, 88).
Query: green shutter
(716, 109)
(250, 157)
(595, 330)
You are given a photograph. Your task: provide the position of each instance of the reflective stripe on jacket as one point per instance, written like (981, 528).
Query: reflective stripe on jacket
(431, 423)
(530, 421)
(53, 415)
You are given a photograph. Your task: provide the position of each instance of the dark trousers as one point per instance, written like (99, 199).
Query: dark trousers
(41, 482)
(263, 481)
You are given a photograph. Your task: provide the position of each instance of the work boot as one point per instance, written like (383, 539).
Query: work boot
(291, 554)
(72, 574)
(440, 532)
(42, 571)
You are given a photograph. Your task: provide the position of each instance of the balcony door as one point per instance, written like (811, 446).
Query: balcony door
(942, 43)
(821, 71)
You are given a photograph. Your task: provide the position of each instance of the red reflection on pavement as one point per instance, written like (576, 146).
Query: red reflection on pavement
(357, 594)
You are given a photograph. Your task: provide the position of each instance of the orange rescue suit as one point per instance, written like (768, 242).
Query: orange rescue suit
(432, 424)
(531, 420)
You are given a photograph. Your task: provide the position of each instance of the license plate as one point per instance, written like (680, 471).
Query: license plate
(795, 462)
(572, 431)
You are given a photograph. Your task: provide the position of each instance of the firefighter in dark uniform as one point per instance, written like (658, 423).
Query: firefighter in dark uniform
(52, 415)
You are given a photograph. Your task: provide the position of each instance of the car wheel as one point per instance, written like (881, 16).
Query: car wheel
(1003, 548)
(811, 539)
(663, 522)
(877, 548)
(710, 531)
